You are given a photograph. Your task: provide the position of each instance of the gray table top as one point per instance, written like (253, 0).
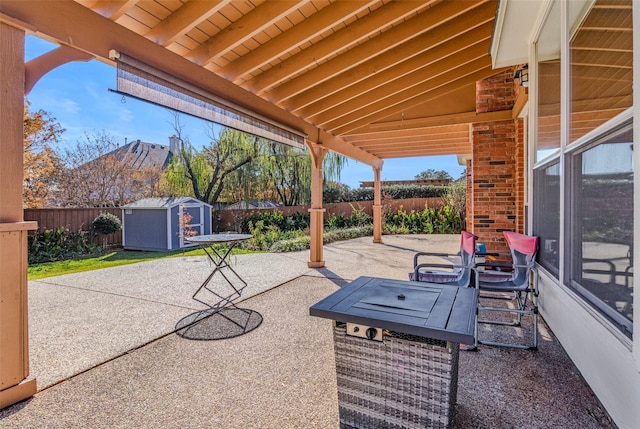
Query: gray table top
(218, 238)
(428, 310)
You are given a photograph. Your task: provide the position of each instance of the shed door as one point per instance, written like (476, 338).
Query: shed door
(191, 221)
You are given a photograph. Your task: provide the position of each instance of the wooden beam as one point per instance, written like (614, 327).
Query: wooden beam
(428, 122)
(38, 67)
(444, 81)
(521, 101)
(97, 35)
(405, 133)
(341, 39)
(187, 17)
(426, 150)
(113, 9)
(388, 82)
(411, 98)
(301, 33)
(244, 28)
(411, 56)
(418, 144)
(378, 45)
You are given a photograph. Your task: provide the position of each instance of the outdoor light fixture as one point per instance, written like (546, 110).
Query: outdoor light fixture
(523, 75)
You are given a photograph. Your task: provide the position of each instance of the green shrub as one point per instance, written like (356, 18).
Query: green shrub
(336, 221)
(347, 233)
(291, 245)
(340, 195)
(106, 223)
(427, 221)
(276, 218)
(53, 245)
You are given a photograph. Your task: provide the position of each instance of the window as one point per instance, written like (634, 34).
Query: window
(546, 218)
(548, 85)
(587, 160)
(600, 224)
(601, 69)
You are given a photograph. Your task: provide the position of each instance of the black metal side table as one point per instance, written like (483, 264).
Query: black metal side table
(222, 318)
(220, 261)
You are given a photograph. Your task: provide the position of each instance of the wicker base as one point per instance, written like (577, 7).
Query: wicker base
(401, 382)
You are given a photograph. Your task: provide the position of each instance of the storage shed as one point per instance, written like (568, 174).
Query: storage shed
(155, 223)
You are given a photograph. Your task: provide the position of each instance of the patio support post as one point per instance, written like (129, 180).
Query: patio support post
(316, 211)
(377, 206)
(14, 347)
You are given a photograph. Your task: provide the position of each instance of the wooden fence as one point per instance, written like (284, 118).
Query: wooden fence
(223, 220)
(77, 219)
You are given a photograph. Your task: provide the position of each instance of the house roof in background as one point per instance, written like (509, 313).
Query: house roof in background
(143, 155)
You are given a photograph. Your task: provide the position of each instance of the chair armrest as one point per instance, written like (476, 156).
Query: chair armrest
(439, 255)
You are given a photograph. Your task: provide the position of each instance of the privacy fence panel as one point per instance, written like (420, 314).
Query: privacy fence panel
(76, 219)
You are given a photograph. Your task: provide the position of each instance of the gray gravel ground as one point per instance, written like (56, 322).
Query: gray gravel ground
(103, 352)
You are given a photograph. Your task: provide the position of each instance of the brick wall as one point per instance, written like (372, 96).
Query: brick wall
(497, 166)
(496, 93)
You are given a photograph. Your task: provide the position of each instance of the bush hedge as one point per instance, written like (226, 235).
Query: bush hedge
(341, 195)
(54, 245)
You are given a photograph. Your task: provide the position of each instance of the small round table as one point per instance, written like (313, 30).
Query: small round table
(218, 320)
(220, 261)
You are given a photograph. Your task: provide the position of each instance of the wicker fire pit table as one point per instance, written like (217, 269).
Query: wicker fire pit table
(396, 347)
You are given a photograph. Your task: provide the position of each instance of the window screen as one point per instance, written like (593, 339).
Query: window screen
(600, 225)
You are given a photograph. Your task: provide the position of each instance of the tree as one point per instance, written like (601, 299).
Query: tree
(203, 173)
(236, 166)
(432, 174)
(41, 162)
(95, 174)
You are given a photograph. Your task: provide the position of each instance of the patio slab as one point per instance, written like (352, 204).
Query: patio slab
(104, 343)
(80, 320)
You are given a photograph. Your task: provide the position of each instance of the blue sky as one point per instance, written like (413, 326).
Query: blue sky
(77, 95)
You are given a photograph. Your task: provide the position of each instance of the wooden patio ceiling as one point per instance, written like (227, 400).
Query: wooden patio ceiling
(370, 79)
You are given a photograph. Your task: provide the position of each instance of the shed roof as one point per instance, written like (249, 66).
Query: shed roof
(162, 203)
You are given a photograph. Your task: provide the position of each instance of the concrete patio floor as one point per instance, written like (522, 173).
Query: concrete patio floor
(105, 355)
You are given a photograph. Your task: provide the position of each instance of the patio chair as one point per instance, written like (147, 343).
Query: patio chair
(457, 270)
(514, 279)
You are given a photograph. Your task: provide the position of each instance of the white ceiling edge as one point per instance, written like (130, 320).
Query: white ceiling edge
(516, 26)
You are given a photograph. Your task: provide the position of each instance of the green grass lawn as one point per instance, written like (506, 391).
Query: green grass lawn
(110, 259)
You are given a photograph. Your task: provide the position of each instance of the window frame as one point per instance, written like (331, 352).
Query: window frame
(599, 135)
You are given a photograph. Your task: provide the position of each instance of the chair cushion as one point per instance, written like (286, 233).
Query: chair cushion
(437, 276)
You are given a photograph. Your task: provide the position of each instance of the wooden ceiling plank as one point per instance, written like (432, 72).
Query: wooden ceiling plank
(421, 52)
(387, 82)
(414, 143)
(299, 34)
(401, 102)
(183, 20)
(420, 81)
(242, 29)
(355, 32)
(113, 9)
(426, 151)
(378, 45)
(387, 137)
(434, 121)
